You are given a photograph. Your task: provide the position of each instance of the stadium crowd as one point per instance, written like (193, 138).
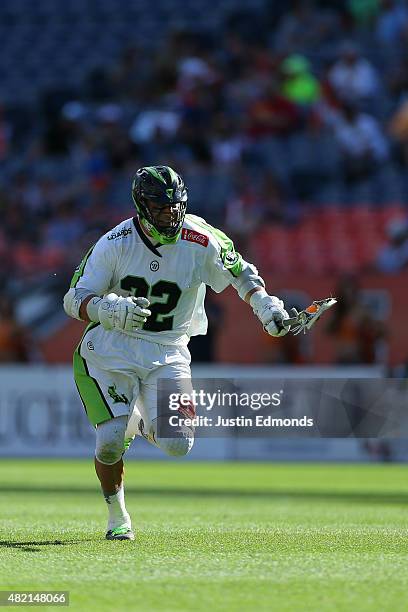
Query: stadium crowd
(269, 112)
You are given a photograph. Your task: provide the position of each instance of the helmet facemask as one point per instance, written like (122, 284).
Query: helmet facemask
(160, 198)
(167, 219)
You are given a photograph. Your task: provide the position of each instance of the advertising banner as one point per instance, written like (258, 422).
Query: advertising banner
(41, 414)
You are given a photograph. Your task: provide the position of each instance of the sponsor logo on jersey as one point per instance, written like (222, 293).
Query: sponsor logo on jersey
(192, 236)
(154, 265)
(123, 232)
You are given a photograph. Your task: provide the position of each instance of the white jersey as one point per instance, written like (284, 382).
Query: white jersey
(173, 277)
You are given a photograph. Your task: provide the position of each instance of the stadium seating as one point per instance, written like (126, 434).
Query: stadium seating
(334, 241)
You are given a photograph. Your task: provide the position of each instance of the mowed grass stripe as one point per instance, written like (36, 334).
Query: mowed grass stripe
(230, 536)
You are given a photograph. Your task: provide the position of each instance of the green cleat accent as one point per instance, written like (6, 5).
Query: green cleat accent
(127, 443)
(120, 533)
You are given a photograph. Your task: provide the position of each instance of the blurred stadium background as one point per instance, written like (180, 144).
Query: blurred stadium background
(289, 123)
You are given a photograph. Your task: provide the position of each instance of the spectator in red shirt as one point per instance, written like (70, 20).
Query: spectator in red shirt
(272, 114)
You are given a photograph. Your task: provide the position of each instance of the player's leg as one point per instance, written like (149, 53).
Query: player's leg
(177, 441)
(110, 476)
(110, 436)
(107, 399)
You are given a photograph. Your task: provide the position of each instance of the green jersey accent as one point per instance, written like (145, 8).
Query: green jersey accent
(229, 257)
(80, 269)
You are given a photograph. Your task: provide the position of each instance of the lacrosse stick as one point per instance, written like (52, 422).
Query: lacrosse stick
(305, 319)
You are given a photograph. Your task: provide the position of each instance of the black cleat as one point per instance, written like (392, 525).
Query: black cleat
(120, 533)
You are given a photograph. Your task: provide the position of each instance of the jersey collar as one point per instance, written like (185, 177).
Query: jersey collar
(145, 239)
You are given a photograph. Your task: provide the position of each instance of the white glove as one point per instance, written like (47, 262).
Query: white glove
(126, 314)
(270, 311)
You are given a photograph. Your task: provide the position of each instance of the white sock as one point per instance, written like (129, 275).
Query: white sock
(118, 514)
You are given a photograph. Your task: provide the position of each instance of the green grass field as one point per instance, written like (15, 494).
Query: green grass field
(210, 536)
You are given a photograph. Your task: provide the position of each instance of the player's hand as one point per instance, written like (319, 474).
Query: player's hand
(271, 312)
(126, 314)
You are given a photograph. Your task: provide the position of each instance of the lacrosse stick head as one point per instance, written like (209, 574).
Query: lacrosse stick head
(302, 321)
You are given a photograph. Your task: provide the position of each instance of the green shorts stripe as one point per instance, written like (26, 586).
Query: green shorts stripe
(93, 400)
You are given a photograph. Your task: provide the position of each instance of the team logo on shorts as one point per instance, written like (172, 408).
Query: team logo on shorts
(90, 346)
(117, 398)
(154, 265)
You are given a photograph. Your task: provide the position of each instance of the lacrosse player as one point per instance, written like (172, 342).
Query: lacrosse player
(141, 288)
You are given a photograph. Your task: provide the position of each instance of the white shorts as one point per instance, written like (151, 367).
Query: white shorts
(115, 372)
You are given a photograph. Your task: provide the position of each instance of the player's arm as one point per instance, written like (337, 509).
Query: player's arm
(269, 309)
(88, 298)
(112, 311)
(83, 313)
(224, 266)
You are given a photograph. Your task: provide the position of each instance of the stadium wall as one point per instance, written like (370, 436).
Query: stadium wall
(41, 416)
